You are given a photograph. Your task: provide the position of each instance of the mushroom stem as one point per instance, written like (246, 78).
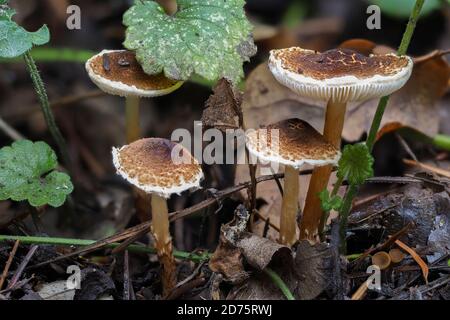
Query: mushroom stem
(289, 209)
(163, 242)
(132, 119)
(312, 215)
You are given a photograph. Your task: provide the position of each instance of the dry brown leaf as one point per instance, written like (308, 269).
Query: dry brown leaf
(223, 108)
(416, 257)
(415, 105)
(228, 261)
(260, 252)
(315, 265)
(266, 101)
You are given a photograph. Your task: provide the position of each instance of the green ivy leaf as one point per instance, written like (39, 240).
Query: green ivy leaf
(356, 164)
(6, 12)
(27, 173)
(329, 203)
(211, 38)
(15, 40)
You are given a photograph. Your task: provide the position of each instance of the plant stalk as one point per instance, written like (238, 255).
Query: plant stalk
(83, 243)
(132, 119)
(289, 208)
(312, 215)
(353, 190)
(39, 87)
(279, 283)
(163, 242)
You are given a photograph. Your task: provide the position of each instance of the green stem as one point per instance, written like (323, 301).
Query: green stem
(371, 138)
(83, 243)
(336, 186)
(442, 141)
(45, 106)
(279, 283)
(376, 122)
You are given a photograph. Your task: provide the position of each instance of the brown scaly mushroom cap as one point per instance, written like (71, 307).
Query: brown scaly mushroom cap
(339, 75)
(299, 144)
(148, 165)
(117, 72)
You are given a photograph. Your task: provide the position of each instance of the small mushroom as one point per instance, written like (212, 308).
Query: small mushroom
(396, 255)
(117, 72)
(337, 77)
(148, 165)
(298, 143)
(382, 260)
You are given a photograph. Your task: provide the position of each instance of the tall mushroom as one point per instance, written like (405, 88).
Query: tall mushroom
(117, 72)
(337, 76)
(291, 143)
(148, 165)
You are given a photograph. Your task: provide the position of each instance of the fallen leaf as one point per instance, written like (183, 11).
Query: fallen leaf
(266, 101)
(416, 257)
(314, 264)
(415, 105)
(56, 291)
(228, 261)
(260, 252)
(223, 108)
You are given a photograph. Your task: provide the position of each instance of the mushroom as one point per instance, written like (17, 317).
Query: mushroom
(382, 260)
(336, 76)
(148, 165)
(396, 255)
(117, 72)
(291, 143)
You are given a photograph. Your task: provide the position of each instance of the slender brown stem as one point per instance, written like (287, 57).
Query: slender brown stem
(334, 124)
(132, 119)
(163, 242)
(289, 208)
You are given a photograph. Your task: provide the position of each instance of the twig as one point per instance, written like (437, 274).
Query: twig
(8, 263)
(439, 171)
(406, 146)
(10, 131)
(90, 243)
(361, 292)
(279, 283)
(22, 267)
(126, 276)
(178, 292)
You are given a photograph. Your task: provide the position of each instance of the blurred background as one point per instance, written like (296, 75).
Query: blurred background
(93, 122)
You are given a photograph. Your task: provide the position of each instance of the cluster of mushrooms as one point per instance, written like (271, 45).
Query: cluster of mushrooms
(337, 77)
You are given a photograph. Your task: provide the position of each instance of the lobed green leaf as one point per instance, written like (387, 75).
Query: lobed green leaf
(356, 164)
(211, 38)
(328, 202)
(27, 173)
(15, 40)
